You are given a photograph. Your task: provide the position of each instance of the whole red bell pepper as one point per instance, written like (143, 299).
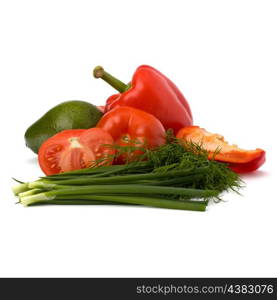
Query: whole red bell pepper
(239, 160)
(150, 91)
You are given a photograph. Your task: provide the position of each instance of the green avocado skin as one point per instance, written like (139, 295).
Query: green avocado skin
(73, 114)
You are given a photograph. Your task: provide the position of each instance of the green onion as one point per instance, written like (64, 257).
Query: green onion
(152, 202)
(125, 178)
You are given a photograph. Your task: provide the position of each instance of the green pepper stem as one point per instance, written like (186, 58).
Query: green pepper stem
(120, 86)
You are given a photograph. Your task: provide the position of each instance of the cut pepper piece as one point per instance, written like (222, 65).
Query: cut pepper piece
(239, 160)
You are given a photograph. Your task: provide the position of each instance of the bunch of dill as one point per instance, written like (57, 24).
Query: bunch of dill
(177, 155)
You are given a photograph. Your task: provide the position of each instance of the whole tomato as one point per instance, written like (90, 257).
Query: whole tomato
(130, 126)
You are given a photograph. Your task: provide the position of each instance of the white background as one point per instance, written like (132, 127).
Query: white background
(221, 54)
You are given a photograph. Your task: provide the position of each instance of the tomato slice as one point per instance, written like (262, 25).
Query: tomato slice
(74, 149)
(239, 160)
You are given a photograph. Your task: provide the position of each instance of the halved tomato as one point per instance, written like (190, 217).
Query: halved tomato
(74, 149)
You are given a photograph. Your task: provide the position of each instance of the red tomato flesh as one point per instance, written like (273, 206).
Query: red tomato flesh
(73, 150)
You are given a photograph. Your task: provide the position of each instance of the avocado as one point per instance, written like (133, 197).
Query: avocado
(67, 115)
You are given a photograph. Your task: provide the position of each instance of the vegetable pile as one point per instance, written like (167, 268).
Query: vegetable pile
(141, 148)
(171, 176)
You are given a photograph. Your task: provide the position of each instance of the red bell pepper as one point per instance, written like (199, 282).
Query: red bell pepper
(150, 91)
(239, 160)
